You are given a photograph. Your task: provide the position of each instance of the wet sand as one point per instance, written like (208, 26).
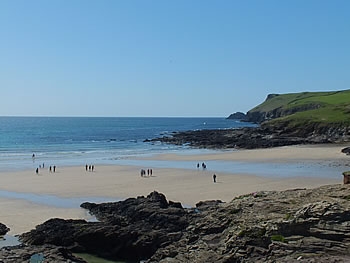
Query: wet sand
(115, 182)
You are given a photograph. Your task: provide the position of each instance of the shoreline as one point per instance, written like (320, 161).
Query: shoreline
(116, 182)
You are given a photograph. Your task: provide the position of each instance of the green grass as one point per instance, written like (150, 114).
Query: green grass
(279, 238)
(298, 99)
(329, 108)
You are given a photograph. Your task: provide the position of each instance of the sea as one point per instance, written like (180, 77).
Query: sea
(63, 141)
(72, 141)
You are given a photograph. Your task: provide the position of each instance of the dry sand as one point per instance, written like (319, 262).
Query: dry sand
(184, 185)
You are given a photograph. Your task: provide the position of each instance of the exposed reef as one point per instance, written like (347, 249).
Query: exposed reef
(260, 137)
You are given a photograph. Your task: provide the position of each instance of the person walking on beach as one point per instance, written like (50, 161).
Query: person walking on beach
(92, 168)
(50, 169)
(54, 168)
(197, 165)
(86, 167)
(37, 171)
(214, 178)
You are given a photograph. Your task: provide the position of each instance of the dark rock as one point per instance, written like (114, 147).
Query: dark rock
(265, 136)
(346, 150)
(132, 229)
(248, 138)
(3, 229)
(300, 225)
(238, 116)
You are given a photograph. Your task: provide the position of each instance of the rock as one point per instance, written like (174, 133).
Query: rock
(248, 138)
(346, 179)
(346, 150)
(3, 229)
(238, 116)
(300, 225)
(132, 229)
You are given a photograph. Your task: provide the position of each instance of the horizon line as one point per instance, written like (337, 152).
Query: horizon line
(84, 116)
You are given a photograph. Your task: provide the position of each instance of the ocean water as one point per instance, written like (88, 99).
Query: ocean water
(79, 140)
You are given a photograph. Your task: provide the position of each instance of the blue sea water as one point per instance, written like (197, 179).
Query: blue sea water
(79, 140)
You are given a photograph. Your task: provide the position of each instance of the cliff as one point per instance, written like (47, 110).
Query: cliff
(329, 108)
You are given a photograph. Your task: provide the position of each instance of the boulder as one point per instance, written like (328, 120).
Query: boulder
(132, 229)
(346, 179)
(3, 229)
(346, 150)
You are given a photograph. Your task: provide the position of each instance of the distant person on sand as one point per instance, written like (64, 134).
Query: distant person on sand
(197, 165)
(37, 171)
(214, 178)
(54, 168)
(150, 171)
(50, 169)
(92, 168)
(86, 167)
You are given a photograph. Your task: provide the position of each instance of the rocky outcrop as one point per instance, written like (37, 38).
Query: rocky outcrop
(250, 138)
(292, 226)
(346, 150)
(301, 225)
(132, 229)
(264, 136)
(3, 229)
(238, 116)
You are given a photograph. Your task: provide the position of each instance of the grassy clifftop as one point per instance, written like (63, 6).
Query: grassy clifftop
(306, 108)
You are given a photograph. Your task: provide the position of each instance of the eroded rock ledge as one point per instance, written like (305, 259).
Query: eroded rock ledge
(251, 138)
(301, 225)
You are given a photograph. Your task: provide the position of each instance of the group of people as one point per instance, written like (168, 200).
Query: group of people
(204, 166)
(149, 172)
(89, 168)
(51, 168)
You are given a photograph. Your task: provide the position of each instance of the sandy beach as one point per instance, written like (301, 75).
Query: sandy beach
(116, 182)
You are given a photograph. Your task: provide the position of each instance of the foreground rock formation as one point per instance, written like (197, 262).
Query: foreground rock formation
(301, 225)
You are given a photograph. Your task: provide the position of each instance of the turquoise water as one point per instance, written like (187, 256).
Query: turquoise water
(8, 240)
(55, 201)
(76, 141)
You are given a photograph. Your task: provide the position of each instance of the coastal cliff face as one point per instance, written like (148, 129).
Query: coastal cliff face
(258, 115)
(301, 225)
(328, 108)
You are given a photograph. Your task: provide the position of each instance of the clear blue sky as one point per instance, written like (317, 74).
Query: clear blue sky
(167, 58)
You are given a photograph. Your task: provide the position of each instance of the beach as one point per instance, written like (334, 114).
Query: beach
(29, 199)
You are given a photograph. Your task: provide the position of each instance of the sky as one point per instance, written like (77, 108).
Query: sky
(183, 58)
